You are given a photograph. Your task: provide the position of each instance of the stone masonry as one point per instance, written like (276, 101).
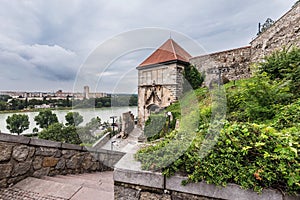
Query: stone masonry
(236, 60)
(23, 157)
(285, 32)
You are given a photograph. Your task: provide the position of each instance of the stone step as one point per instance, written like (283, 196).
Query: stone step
(104, 177)
(77, 181)
(71, 187)
(48, 188)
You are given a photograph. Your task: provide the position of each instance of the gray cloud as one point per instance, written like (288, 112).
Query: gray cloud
(43, 44)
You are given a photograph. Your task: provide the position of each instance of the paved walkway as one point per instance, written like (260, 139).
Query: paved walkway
(128, 145)
(71, 187)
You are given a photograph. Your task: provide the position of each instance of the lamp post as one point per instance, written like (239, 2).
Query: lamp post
(113, 125)
(219, 72)
(169, 114)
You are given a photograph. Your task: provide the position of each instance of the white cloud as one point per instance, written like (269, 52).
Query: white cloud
(48, 40)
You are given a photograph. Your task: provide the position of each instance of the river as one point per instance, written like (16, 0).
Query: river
(88, 114)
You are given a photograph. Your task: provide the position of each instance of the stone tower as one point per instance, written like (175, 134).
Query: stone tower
(160, 78)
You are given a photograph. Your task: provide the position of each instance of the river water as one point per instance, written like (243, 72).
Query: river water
(88, 114)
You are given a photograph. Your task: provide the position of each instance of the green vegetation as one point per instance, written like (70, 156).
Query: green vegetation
(192, 77)
(17, 123)
(73, 118)
(58, 132)
(73, 134)
(8, 104)
(258, 144)
(45, 118)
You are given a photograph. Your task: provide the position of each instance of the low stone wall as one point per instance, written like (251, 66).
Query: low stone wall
(22, 157)
(135, 184)
(102, 141)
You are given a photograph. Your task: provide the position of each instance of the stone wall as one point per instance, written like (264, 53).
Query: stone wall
(127, 123)
(236, 60)
(22, 157)
(284, 33)
(130, 182)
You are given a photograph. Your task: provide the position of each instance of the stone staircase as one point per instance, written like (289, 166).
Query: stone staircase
(94, 186)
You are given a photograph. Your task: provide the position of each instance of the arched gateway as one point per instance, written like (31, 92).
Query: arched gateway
(160, 78)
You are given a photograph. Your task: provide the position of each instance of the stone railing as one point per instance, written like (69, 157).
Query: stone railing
(22, 157)
(130, 182)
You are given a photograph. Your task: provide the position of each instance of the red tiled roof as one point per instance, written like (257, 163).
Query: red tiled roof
(169, 51)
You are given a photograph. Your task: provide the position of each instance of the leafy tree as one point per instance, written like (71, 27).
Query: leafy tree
(94, 123)
(45, 118)
(193, 77)
(73, 118)
(4, 98)
(58, 132)
(3, 105)
(17, 123)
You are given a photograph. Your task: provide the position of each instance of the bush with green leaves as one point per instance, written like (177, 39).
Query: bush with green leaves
(288, 116)
(257, 99)
(193, 78)
(17, 123)
(284, 65)
(60, 133)
(155, 126)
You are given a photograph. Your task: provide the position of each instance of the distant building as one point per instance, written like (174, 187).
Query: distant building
(86, 92)
(54, 95)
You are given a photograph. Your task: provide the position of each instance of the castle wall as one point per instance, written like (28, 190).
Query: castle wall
(236, 60)
(284, 33)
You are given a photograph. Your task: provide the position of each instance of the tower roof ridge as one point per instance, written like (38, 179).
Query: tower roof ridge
(168, 51)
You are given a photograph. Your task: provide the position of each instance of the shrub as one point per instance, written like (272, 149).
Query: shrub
(284, 65)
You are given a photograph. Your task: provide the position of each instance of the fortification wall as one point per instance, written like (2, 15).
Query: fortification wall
(22, 157)
(236, 60)
(285, 32)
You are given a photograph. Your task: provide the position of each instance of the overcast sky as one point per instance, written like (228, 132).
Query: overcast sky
(65, 44)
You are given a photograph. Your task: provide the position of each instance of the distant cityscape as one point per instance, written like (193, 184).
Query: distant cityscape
(59, 94)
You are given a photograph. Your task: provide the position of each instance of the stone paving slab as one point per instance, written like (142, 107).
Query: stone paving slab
(92, 186)
(18, 194)
(48, 188)
(92, 194)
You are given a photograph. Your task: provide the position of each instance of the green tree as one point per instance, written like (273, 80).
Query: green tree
(192, 77)
(94, 123)
(73, 118)
(45, 118)
(17, 123)
(58, 132)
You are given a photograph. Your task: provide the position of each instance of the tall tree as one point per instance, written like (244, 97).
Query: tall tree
(45, 118)
(73, 118)
(17, 123)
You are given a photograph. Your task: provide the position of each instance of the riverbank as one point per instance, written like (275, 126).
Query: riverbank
(88, 113)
